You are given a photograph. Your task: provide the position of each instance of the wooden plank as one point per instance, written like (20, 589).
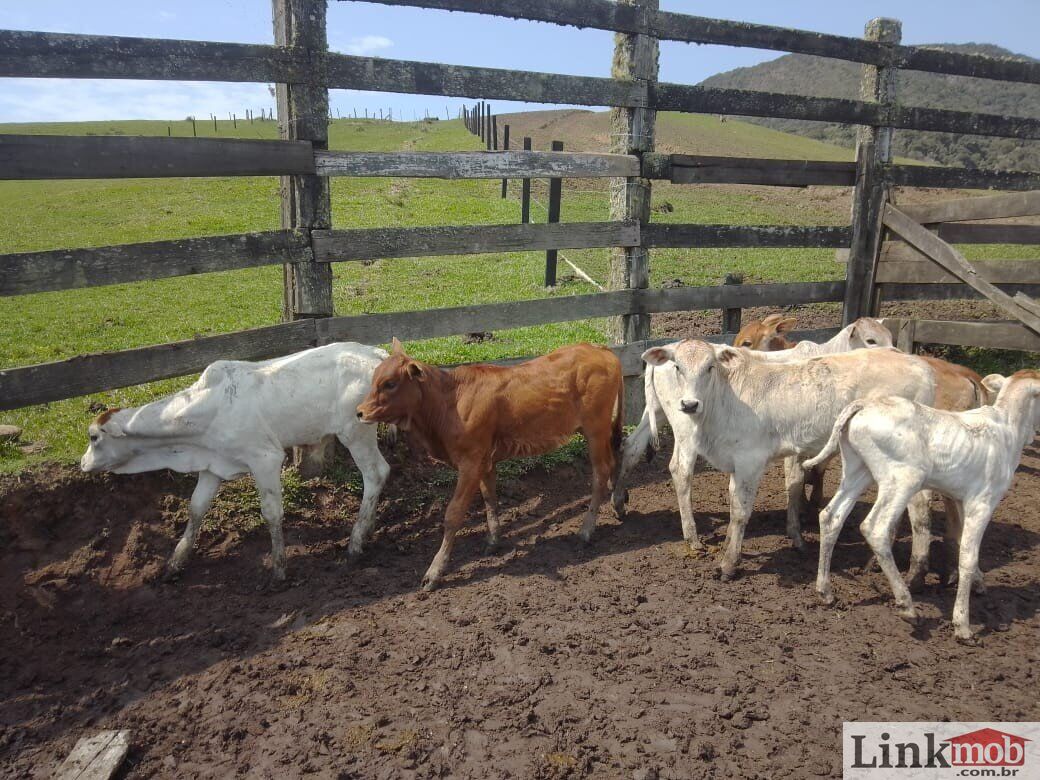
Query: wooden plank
(332, 246)
(63, 269)
(990, 335)
(120, 157)
(960, 178)
(428, 78)
(691, 169)
(56, 55)
(106, 371)
(95, 758)
(894, 291)
(967, 122)
(696, 236)
(956, 233)
(739, 102)
(1019, 204)
(433, 323)
(476, 165)
(952, 260)
(664, 25)
(993, 271)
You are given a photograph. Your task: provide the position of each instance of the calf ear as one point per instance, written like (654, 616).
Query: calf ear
(415, 371)
(112, 428)
(786, 324)
(658, 356)
(397, 347)
(728, 356)
(993, 382)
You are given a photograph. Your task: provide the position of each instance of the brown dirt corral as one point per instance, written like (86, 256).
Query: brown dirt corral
(626, 658)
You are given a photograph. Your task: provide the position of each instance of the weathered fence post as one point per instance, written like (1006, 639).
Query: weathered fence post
(505, 148)
(525, 191)
(731, 317)
(632, 132)
(494, 133)
(873, 152)
(303, 111)
(555, 194)
(905, 338)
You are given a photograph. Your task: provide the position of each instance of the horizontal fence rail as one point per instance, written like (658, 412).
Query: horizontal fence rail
(947, 292)
(990, 335)
(49, 54)
(699, 169)
(139, 157)
(332, 246)
(695, 236)
(476, 165)
(960, 178)
(64, 269)
(85, 374)
(56, 55)
(670, 26)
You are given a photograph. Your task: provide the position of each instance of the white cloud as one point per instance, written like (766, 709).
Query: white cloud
(80, 100)
(167, 16)
(367, 44)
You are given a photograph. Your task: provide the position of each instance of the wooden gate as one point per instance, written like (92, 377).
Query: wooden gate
(919, 262)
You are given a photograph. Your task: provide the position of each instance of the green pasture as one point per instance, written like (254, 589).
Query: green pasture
(69, 214)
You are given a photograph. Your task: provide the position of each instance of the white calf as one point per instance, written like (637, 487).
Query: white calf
(239, 418)
(739, 413)
(906, 447)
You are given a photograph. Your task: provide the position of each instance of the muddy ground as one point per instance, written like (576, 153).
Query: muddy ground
(627, 658)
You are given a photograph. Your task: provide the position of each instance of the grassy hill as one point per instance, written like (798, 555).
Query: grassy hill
(69, 214)
(801, 74)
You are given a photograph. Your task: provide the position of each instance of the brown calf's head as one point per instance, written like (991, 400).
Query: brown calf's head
(396, 390)
(766, 334)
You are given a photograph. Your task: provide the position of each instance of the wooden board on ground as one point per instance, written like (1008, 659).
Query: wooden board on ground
(95, 758)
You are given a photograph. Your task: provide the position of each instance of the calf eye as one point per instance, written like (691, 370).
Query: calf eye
(746, 344)
(389, 385)
(93, 437)
(872, 342)
(710, 368)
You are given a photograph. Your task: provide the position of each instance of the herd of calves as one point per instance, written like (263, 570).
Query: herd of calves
(906, 423)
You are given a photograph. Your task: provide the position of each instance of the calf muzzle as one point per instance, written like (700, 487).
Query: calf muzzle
(690, 407)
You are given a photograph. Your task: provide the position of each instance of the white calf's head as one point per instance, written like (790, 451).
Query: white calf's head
(867, 332)
(697, 368)
(108, 447)
(993, 383)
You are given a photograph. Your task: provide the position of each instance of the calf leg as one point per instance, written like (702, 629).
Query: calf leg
(794, 479)
(855, 479)
(470, 475)
(814, 478)
(268, 477)
(951, 544)
(201, 500)
(487, 490)
(601, 453)
(893, 496)
(632, 449)
(683, 467)
(364, 449)
(743, 485)
(976, 518)
(920, 512)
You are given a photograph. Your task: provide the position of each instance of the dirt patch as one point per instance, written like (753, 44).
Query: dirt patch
(551, 660)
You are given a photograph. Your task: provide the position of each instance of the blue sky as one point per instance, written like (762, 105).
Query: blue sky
(465, 39)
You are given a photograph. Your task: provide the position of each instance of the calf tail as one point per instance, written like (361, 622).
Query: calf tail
(618, 433)
(831, 447)
(653, 406)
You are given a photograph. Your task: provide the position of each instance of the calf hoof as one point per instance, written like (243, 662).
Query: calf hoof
(826, 597)
(872, 565)
(798, 543)
(429, 583)
(727, 572)
(620, 506)
(696, 548)
(585, 535)
(492, 546)
(353, 553)
(965, 636)
(172, 573)
(910, 616)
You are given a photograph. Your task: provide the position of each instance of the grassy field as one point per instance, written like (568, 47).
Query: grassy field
(69, 214)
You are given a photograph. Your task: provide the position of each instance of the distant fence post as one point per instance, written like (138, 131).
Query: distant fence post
(555, 193)
(494, 132)
(525, 191)
(873, 151)
(731, 317)
(632, 132)
(303, 111)
(505, 148)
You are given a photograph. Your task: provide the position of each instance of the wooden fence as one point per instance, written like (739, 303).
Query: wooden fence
(303, 70)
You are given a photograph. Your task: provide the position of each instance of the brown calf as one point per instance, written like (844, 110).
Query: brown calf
(474, 416)
(766, 334)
